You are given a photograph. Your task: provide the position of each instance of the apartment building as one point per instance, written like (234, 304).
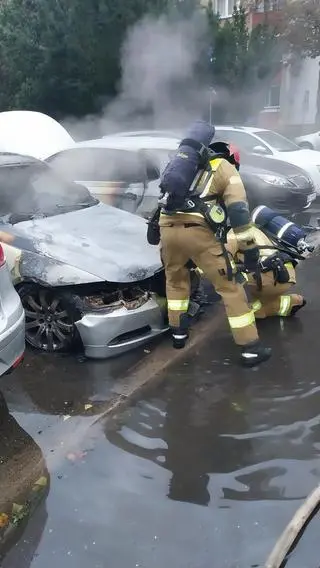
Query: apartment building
(292, 100)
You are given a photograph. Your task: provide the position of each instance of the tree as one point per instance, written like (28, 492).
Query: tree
(302, 29)
(60, 56)
(242, 62)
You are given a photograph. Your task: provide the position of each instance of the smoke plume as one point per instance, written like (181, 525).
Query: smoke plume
(160, 84)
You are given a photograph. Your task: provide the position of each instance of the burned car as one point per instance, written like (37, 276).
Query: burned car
(83, 269)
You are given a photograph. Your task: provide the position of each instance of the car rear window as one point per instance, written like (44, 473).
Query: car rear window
(99, 164)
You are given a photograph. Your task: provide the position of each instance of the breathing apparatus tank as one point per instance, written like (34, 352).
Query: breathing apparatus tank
(180, 175)
(282, 230)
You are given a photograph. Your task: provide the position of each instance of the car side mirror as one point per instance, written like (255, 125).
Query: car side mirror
(153, 172)
(260, 150)
(152, 165)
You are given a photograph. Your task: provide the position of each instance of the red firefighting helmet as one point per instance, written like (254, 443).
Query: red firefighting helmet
(234, 155)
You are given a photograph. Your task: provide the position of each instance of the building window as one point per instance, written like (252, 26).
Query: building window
(225, 7)
(273, 96)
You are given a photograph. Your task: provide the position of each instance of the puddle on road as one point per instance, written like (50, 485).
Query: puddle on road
(206, 472)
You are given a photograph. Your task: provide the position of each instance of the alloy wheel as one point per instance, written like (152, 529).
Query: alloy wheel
(49, 325)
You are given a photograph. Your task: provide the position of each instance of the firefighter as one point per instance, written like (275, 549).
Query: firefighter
(269, 288)
(185, 235)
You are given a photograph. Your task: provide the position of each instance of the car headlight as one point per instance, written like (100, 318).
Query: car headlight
(275, 180)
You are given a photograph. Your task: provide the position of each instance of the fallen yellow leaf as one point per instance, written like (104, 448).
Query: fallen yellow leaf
(42, 481)
(4, 520)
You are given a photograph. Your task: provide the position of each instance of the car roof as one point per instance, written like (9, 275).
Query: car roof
(130, 143)
(249, 129)
(151, 133)
(11, 159)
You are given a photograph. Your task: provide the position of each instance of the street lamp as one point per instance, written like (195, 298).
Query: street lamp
(213, 93)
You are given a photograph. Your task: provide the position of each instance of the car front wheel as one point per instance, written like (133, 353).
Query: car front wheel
(50, 319)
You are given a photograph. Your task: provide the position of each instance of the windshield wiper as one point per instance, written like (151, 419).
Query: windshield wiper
(20, 217)
(75, 206)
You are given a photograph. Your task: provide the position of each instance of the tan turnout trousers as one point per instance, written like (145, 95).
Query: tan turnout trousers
(180, 243)
(273, 300)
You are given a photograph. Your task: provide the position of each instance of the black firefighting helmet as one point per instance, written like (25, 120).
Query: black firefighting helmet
(228, 152)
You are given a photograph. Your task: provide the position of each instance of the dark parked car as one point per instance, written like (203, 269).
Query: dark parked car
(284, 188)
(278, 184)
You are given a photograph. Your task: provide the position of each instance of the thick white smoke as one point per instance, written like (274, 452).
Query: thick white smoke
(158, 86)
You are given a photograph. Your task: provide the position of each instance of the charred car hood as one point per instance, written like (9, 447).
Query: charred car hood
(100, 243)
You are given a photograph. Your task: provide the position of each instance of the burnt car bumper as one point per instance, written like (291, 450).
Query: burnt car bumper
(108, 332)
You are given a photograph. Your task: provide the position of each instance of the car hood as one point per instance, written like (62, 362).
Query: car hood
(307, 160)
(32, 134)
(101, 242)
(301, 158)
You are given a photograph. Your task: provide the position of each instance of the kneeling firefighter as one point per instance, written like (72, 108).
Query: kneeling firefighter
(282, 244)
(200, 190)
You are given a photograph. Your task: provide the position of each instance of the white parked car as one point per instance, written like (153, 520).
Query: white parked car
(117, 170)
(12, 321)
(261, 142)
(148, 133)
(310, 141)
(93, 163)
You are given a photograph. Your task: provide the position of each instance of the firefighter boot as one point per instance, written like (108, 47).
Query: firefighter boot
(298, 307)
(180, 334)
(254, 354)
(179, 337)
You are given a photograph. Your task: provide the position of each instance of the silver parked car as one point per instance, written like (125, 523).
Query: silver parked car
(84, 270)
(12, 326)
(115, 172)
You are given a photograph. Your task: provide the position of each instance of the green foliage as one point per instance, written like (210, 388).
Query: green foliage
(60, 56)
(243, 64)
(240, 58)
(302, 27)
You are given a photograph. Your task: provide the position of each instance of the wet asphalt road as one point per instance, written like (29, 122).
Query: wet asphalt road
(206, 471)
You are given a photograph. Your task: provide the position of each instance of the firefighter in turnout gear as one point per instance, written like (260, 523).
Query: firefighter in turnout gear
(187, 234)
(269, 288)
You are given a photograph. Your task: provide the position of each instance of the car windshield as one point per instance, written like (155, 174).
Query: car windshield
(28, 191)
(244, 140)
(278, 142)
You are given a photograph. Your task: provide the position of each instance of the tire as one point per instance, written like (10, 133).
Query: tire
(306, 145)
(50, 319)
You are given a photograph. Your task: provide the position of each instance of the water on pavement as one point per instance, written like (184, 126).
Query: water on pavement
(204, 472)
